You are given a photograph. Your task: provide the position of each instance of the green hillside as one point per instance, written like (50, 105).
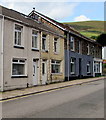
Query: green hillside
(88, 28)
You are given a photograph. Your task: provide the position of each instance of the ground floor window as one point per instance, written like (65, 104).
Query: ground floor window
(88, 67)
(97, 67)
(55, 66)
(72, 65)
(18, 67)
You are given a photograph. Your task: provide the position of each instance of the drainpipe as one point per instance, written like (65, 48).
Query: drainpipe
(2, 45)
(68, 56)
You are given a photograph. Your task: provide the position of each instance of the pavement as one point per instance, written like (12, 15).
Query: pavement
(39, 89)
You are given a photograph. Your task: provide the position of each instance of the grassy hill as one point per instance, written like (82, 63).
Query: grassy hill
(88, 28)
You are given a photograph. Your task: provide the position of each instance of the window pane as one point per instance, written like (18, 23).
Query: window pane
(43, 43)
(17, 27)
(15, 37)
(72, 65)
(18, 69)
(55, 46)
(57, 68)
(34, 32)
(19, 38)
(43, 68)
(34, 41)
(53, 69)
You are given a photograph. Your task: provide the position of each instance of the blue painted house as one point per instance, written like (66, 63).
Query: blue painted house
(83, 56)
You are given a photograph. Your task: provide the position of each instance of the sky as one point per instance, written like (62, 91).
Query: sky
(60, 10)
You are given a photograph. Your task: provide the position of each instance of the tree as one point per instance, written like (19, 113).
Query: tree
(93, 37)
(101, 39)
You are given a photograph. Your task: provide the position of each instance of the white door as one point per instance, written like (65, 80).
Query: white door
(35, 73)
(44, 72)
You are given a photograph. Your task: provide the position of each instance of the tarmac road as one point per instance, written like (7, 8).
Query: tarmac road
(81, 101)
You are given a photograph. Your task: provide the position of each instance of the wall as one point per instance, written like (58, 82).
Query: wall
(10, 52)
(84, 58)
(1, 53)
(51, 55)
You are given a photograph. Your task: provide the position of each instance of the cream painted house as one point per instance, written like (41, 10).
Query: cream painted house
(52, 58)
(27, 53)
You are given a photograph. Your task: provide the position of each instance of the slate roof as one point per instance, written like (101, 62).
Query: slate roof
(65, 27)
(24, 19)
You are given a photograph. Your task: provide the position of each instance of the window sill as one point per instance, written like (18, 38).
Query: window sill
(56, 73)
(35, 49)
(72, 73)
(88, 73)
(45, 51)
(56, 53)
(16, 46)
(19, 76)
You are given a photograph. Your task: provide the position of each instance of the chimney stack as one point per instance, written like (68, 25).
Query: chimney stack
(33, 8)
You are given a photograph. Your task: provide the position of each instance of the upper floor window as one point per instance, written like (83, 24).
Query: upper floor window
(88, 49)
(44, 42)
(18, 35)
(72, 43)
(79, 46)
(56, 45)
(34, 39)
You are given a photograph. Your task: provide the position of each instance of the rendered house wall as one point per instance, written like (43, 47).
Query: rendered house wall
(1, 53)
(51, 55)
(11, 52)
(84, 58)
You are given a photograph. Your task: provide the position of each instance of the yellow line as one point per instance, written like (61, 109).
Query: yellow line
(55, 89)
(34, 94)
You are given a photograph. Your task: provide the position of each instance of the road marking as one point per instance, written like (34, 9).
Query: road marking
(55, 89)
(43, 92)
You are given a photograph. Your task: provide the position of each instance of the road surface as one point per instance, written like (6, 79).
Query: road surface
(80, 101)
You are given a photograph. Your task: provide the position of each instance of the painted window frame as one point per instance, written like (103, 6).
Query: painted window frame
(96, 67)
(16, 37)
(88, 49)
(44, 46)
(72, 43)
(88, 67)
(56, 45)
(73, 62)
(35, 36)
(19, 61)
(79, 46)
(56, 63)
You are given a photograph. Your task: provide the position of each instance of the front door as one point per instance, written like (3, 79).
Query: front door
(44, 72)
(35, 73)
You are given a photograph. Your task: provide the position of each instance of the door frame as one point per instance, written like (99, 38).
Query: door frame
(35, 72)
(44, 76)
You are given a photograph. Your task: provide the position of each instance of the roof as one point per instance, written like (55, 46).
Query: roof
(64, 27)
(24, 19)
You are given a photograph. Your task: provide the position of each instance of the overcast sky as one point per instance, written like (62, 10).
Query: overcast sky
(60, 10)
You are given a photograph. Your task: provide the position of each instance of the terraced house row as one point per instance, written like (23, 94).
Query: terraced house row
(37, 50)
